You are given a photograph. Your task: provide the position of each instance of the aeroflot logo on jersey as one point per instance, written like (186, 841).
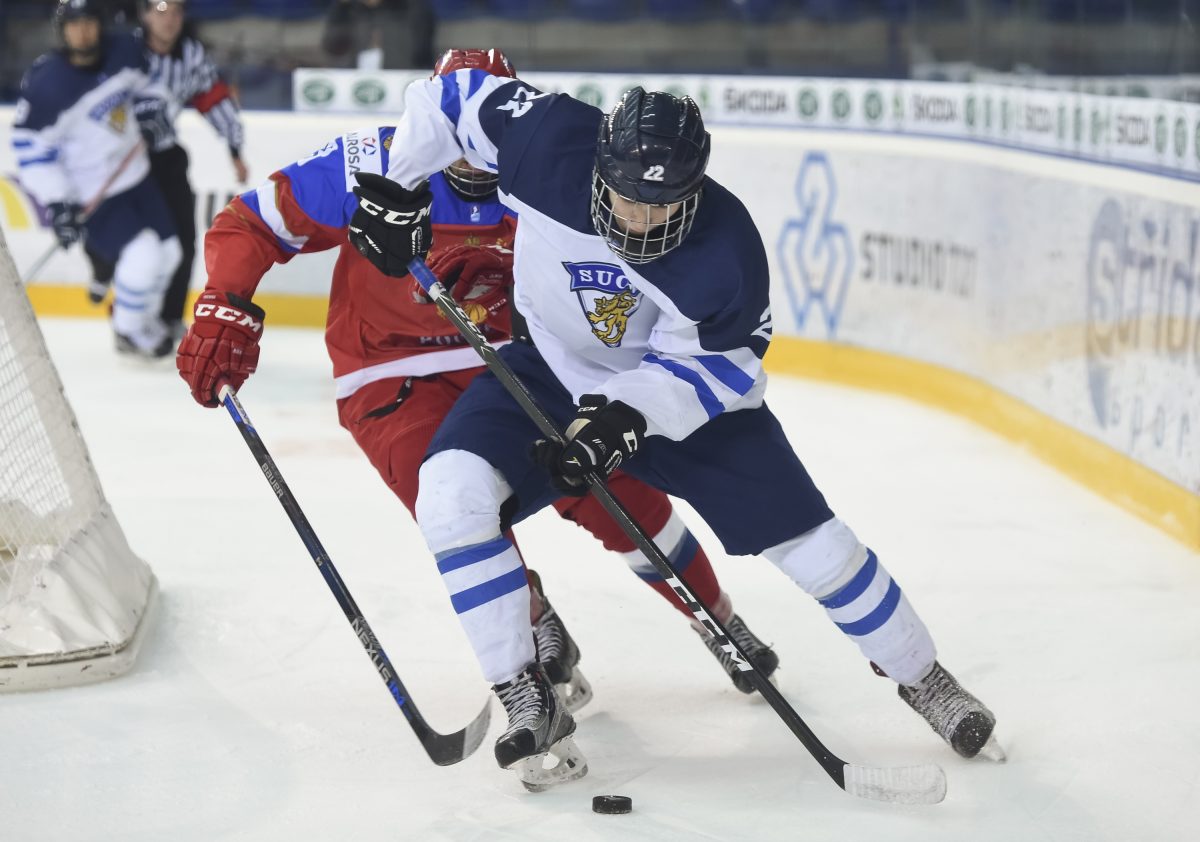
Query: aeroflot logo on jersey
(607, 298)
(228, 314)
(361, 155)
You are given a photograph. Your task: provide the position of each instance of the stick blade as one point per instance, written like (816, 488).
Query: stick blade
(898, 785)
(448, 749)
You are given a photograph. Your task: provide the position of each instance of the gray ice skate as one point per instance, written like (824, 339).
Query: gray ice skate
(759, 653)
(559, 656)
(153, 342)
(538, 726)
(954, 714)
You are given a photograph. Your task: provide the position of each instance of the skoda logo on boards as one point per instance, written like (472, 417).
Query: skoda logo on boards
(814, 249)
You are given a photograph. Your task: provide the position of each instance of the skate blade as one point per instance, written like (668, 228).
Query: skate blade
(570, 765)
(992, 751)
(574, 693)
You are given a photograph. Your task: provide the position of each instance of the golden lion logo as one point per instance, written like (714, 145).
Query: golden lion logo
(611, 317)
(117, 118)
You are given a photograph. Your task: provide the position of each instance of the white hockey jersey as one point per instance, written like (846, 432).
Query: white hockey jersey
(681, 338)
(75, 126)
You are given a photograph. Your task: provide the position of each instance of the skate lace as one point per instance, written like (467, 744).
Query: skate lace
(548, 633)
(941, 700)
(522, 700)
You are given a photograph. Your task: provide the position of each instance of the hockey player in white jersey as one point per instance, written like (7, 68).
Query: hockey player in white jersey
(645, 287)
(80, 155)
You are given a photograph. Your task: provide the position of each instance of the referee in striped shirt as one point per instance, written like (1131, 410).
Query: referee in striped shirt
(180, 66)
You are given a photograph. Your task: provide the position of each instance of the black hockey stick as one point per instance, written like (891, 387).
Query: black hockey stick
(443, 749)
(924, 784)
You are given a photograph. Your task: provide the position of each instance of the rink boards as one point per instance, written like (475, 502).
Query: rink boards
(1053, 300)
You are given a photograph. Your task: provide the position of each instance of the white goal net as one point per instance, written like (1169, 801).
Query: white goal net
(73, 596)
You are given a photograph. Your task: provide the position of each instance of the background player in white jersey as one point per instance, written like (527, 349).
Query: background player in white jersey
(646, 290)
(78, 147)
(180, 66)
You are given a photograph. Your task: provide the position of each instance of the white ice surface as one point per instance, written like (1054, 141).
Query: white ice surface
(253, 713)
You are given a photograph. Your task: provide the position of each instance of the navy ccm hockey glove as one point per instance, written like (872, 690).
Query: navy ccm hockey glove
(602, 436)
(391, 225)
(64, 219)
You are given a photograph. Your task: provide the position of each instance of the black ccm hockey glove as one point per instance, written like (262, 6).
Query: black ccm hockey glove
(602, 436)
(391, 225)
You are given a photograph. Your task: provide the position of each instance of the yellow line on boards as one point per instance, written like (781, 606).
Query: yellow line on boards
(1110, 474)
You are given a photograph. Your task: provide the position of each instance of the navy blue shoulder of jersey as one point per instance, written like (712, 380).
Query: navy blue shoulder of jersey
(449, 208)
(547, 151)
(53, 84)
(50, 87)
(719, 276)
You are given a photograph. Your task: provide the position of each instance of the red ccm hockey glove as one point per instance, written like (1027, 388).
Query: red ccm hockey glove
(472, 271)
(221, 344)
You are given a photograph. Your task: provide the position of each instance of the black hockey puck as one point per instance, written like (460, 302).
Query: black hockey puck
(612, 804)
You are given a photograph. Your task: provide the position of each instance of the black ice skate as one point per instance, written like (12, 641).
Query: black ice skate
(149, 345)
(538, 725)
(97, 290)
(954, 714)
(759, 653)
(559, 656)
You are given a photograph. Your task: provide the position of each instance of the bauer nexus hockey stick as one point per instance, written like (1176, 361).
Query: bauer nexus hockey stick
(443, 749)
(924, 784)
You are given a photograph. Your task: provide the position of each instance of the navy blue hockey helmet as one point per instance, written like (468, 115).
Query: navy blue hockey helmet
(652, 151)
(74, 9)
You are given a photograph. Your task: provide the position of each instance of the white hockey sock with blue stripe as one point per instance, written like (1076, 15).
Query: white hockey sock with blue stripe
(860, 597)
(490, 593)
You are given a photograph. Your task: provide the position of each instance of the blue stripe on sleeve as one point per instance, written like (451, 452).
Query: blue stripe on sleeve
(723, 368)
(492, 589)
(876, 618)
(250, 197)
(853, 589)
(463, 556)
(451, 106)
(48, 158)
(478, 77)
(22, 144)
(708, 400)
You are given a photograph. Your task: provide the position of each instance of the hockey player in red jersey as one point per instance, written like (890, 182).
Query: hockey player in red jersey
(399, 366)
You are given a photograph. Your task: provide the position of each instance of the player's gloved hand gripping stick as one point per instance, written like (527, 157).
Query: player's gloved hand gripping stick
(443, 749)
(924, 784)
(68, 220)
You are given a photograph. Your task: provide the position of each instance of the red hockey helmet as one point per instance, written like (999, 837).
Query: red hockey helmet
(464, 179)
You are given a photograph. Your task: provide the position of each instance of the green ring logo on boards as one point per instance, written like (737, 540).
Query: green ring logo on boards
(841, 104)
(368, 92)
(969, 111)
(1061, 125)
(808, 103)
(317, 91)
(1078, 128)
(1160, 134)
(1180, 137)
(591, 94)
(1097, 128)
(873, 106)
